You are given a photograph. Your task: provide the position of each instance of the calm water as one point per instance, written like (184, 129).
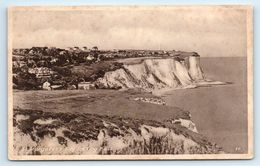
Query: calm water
(219, 112)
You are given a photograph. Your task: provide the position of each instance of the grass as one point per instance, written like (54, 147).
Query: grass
(101, 102)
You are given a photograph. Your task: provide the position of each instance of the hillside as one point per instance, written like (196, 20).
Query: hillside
(103, 122)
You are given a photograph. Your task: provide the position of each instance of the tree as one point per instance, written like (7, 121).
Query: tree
(26, 81)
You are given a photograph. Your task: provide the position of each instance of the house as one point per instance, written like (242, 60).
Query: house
(56, 87)
(85, 48)
(90, 57)
(46, 85)
(41, 72)
(86, 86)
(54, 60)
(95, 48)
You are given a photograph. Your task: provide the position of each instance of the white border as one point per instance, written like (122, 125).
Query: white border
(250, 153)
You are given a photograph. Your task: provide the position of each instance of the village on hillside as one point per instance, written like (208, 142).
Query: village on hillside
(51, 68)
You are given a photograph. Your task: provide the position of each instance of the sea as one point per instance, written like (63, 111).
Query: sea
(219, 112)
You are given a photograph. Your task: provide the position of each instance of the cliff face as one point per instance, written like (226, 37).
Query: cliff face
(195, 70)
(153, 74)
(48, 133)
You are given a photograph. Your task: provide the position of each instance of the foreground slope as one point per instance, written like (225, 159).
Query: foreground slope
(103, 122)
(47, 133)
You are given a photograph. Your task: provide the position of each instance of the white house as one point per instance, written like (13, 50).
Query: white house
(41, 72)
(86, 85)
(46, 85)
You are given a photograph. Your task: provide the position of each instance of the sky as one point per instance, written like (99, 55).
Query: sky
(210, 31)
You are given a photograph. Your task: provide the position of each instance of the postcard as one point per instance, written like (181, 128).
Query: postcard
(130, 82)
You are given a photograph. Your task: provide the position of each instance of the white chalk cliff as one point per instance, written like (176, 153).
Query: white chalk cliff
(157, 73)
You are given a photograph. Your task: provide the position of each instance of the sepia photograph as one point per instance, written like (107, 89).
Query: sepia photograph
(130, 82)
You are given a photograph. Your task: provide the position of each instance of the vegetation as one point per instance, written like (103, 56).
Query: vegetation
(78, 128)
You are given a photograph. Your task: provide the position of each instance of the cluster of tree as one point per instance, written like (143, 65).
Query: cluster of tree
(26, 81)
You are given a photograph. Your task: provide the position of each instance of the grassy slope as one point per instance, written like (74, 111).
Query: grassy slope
(102, 102)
